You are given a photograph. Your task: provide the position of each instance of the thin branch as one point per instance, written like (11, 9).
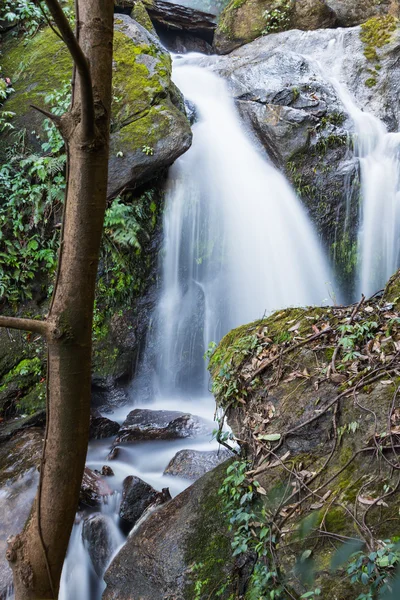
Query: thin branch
(82, 66)
(46, 18)
(56, 120)
(40, 327)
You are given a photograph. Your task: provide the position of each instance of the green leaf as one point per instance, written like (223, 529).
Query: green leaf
(270, 437)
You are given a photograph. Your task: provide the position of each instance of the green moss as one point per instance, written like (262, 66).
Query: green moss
(35, 66)
(141, 16)
(141, 76)
(375, 34)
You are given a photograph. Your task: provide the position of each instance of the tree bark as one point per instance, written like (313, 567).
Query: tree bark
(37, 554)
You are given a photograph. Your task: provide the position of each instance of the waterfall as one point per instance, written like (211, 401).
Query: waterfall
(378, 152)
(238, 243)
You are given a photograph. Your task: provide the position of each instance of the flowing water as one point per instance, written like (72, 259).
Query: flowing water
(237, 245)
(378, 151)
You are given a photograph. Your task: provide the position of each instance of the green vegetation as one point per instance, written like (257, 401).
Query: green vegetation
(375, 34)
(32, 189)
(278, 18)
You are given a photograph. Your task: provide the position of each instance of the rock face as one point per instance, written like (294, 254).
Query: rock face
(354, 12)
(137, 495)
(149, 129)
(96, 535)
(19, 458)
(244, 21)
(143, 424)
(193, 464)
(156, 561)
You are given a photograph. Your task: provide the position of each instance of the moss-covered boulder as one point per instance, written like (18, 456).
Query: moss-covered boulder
(242, 21)
(149, 129)
(312, 395)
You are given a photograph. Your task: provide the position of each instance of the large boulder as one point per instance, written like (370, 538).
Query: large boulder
(19, 459)
(149, 127)
(102, 427)
(316, 405)
(243, 21)
(159, 559)
(193, 464)
(144, 424)
(354, 12)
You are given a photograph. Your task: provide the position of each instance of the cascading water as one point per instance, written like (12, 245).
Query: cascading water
(237, 242)
(379, 154)
(237, 245)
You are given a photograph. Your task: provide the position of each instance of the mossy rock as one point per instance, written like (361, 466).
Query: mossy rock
(141, 16)
(334, 427)
(149, 129)
(242, 21)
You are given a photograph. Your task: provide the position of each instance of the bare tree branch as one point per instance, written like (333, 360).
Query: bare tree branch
(31, 325)
(54, 118)
(82, 66)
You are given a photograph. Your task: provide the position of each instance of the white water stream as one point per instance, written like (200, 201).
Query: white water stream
(237, 245)
(379, 154)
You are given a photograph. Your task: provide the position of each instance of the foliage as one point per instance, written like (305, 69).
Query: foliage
(26, 16)
(375, 570)
(354, 336)
(278, 18)
(5, 115)
(32, 187)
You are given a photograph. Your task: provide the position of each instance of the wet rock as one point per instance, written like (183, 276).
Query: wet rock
(93, 488)
(144, 424)
(98, 541)
(101, 427)
(113, 454)
(137, 495)
(176, 17)
(157, 559)
(107, 471)
(19, 476)
(193, 464)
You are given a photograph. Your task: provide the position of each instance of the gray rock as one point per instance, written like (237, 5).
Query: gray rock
(157, 559)
(144, 424)
(137, 495)
(193, 464)
(354, 12)
(101, 427)
(97, 539)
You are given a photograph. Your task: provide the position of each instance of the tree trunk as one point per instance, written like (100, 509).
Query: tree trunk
(37, 554)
